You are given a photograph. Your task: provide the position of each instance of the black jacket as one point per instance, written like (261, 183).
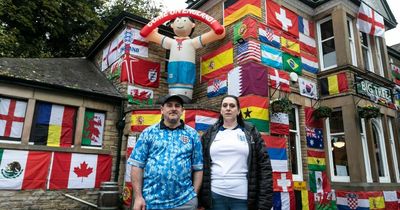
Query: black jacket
(259, 175)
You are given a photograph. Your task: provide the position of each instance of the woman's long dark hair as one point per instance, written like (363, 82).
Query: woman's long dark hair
(239, 118)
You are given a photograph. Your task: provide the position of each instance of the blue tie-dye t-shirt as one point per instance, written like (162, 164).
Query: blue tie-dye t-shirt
(168, 158)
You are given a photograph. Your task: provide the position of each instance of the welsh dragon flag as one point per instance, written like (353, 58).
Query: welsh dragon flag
(93, 128)
(23, 169)
(79, 171)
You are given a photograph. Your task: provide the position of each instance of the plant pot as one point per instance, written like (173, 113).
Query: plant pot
(322, 112)
(369, 112)
(281, 105)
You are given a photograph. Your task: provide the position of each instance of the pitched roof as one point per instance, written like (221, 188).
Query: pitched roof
(76, 75)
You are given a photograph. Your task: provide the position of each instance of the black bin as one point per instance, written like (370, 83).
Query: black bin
(108, 196)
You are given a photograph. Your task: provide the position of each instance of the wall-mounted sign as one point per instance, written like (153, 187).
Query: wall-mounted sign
(375, 92)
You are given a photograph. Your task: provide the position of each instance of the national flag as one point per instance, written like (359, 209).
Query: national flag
(236, 9)
(316, 160)
(189, 117)
(271, 56)
(304, 200)
(310, 63)
(306, 27)
(307, 44)
(22, 170)
(311, 122)
(291, 63)
(53, 125)
(279, 79)
(142, 119)
(115, 70)
(204, 119)
(270, 36)
(290, 45)
(12, 117)
(299, 185)
(376, 200)
(79, 171)
(395, 71)
(134, 43)
(276, 149)
(279, 123)
(318, 182)
(391, 201)
(111, 53)
(127, 193)
(248, 78)
(398, 197)
(369, 21)
(308, 88)
(141, 72)
(334, 84)
(314, 138)
(325, 200)
(282, 181)
(282, 18)
(139, 96)
(352, 200)
(244, 29)
(217, 86)
(283, 201)
(93, 128)
(255, 110)
(247, 51)
(217, 62)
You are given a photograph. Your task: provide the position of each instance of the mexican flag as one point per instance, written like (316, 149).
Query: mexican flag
(23, 169)
(79, 171)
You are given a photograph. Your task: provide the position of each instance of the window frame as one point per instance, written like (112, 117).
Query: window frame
(393, 148)
(367, 161)
(370, 67)
(378, 45)
(378, 123)
(351, 38)
(323, 68)
(299, 175)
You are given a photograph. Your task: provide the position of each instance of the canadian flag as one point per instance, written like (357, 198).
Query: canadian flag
(79, 171)
(369, 21)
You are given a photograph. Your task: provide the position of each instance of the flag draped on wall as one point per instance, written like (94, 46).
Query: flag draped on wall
(140, 96)
(318, 182)
(279, 123)
(216, 63)
(290, 45)
(142, 119)
(391, 199)
(282, 18)
(53, 125)
(352, 200)
(283, 201)
(291, 63)
(79, 171)
(236, 9)
(306, 27)
(270, 36)
(140, 71)
(93, 128)
(279, 79)
(12, 117)
(245, 29)
(23, 169)
(276, 148)
(271, 56)
(217, 86)
(369, 21)
(316, 160)
(248, 78)
(310, 120)
(204, 119)
(376, 200)
(307, 88)
(282, 181)
(314, 137)
(334, 84)
(248, 50)
(255, 110)
(309, 62)
(304, 200)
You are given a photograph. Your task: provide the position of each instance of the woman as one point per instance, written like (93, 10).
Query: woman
(237, 172)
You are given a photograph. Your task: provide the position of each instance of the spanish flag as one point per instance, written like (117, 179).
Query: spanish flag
(316, 160)
(236, 9)
(217, 62)
(376, 200)
(142, 119)
(334, 84)
(255, 110)
(290, 45)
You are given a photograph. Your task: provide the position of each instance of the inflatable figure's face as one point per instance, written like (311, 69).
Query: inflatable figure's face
(182, 26)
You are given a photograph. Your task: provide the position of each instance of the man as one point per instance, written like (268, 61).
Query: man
(167, 162)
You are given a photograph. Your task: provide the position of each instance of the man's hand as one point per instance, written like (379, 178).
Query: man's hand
(139, 204)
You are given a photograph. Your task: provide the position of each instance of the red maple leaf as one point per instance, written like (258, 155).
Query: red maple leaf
(83, 170)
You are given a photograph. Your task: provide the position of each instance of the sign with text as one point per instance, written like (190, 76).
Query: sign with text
(375, 92)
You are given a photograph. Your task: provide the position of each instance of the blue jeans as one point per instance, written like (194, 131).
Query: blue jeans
(220, 202)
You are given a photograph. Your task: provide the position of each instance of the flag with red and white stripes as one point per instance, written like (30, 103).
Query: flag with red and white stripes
(369, 21)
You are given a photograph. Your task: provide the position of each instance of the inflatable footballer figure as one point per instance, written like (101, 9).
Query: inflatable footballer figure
(181, 65)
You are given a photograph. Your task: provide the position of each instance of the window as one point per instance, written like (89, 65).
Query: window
(93, 129)
(393, 148)
(380, 150)
(327, 44)
(12, 117)
(378, 44)
(295, 145)
(366, 51)
(337, 147)
(351, 42)
(364, 143)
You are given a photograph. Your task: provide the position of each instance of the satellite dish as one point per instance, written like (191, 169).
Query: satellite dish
(293, 76)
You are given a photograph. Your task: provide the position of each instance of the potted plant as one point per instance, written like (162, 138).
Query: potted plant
(368, 112)
(322, 112)
(281, 105)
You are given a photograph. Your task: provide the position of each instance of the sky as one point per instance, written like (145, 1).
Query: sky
(392, 36)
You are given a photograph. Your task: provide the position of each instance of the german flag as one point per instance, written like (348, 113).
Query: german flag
(316, 160)
(142, 119)
(334, 84)
(255, 110)
(217, 62)
(236, 9)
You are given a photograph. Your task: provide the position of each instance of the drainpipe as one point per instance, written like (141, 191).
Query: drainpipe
(120, 127)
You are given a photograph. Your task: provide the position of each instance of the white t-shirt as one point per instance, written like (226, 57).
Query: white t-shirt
(229, 153)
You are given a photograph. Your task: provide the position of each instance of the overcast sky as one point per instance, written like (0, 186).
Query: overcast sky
(392, 36)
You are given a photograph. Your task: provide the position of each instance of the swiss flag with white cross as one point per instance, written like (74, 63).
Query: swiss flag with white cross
(282, 18)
